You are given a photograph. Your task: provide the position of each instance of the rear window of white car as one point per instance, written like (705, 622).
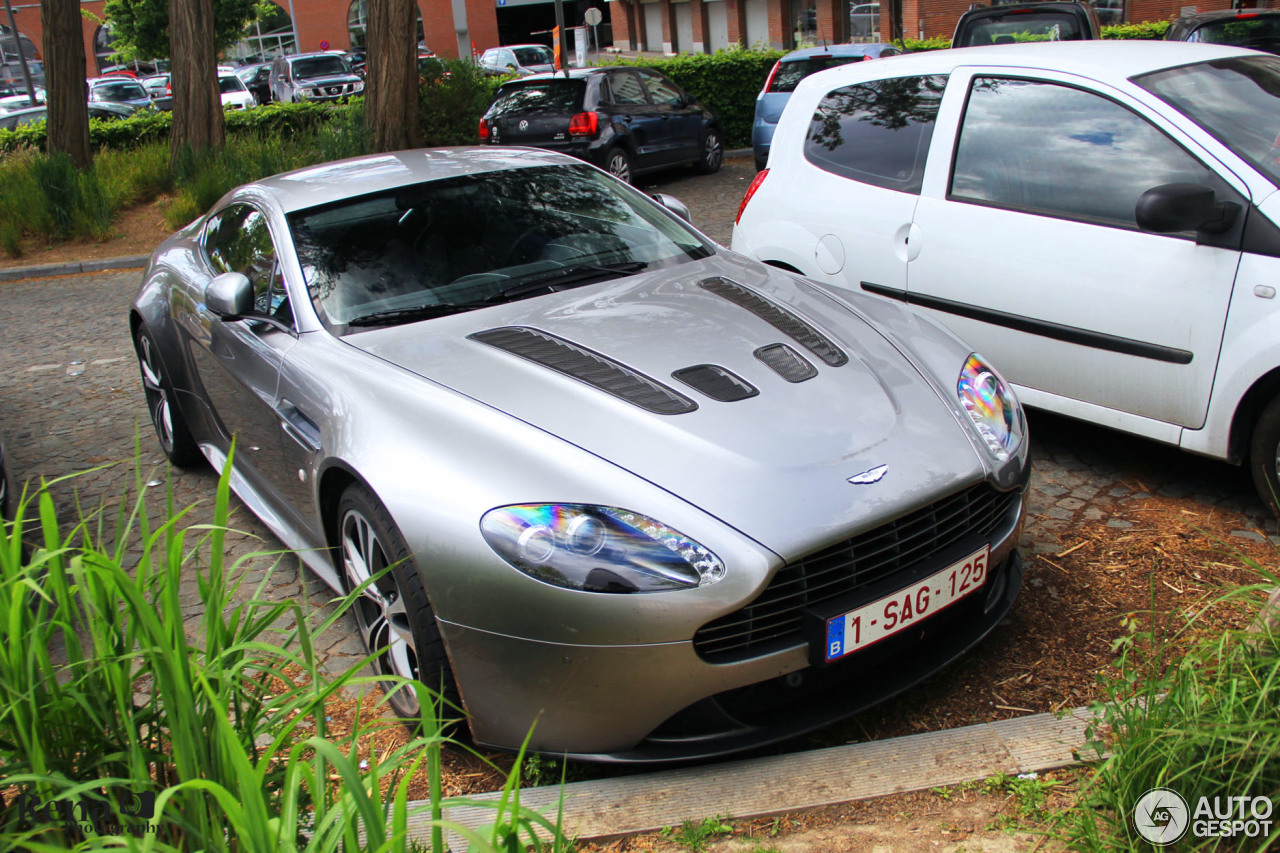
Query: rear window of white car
(877, 133)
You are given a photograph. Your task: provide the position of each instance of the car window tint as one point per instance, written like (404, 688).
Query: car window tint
(320, 66)
(534, 56)
(662, 91)
(1260, 33)
(543, 96)
(877, 133)
(1022, 27)
(1062, 151)
(791, 73)
(626, 88)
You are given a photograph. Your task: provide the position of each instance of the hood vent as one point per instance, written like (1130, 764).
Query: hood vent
(778, 317)
(586, 366)
(716, 382)
(786, 362)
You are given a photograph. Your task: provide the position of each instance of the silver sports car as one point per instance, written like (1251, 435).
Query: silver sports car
(663, 500)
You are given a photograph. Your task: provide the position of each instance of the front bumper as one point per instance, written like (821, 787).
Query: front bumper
(669, 702)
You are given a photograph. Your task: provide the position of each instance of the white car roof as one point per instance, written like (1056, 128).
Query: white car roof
(1110, 61)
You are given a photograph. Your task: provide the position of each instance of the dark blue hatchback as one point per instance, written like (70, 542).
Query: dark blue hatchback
(625, 120)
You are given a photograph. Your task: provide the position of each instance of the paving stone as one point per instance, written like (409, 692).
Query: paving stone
(1119, 524)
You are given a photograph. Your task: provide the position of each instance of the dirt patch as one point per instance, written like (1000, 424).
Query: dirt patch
(135, 231)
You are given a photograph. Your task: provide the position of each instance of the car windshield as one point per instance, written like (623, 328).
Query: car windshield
(1261, 32)
(444, 247)
(230, 83)
(542, 96)
(791, 73)
(119, 92)
(320, 66)
(1237, 100)
(1020, 27)
(533, 56)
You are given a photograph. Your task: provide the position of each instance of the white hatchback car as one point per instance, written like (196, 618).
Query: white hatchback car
(1098, 218)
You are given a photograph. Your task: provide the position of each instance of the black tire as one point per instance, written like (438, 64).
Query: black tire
(171, 428)
(1264, 456)
(617, 162)
(393, 614)
(711, 153)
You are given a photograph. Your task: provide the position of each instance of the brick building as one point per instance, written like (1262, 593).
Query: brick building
(704, 26)
(320, 25)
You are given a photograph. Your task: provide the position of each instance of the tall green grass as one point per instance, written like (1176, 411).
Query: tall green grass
(1203, 723)
(103, 697)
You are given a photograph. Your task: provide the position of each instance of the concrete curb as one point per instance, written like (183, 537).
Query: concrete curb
(74, 267)
(761, 787)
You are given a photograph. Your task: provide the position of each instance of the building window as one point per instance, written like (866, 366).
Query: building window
(357, 25)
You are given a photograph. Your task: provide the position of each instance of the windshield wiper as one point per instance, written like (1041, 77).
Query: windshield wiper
(559, 279)
(417, 312)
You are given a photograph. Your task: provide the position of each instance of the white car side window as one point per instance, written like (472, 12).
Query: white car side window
(1061, 151)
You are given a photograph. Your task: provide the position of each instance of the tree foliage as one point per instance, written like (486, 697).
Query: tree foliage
(140, 28)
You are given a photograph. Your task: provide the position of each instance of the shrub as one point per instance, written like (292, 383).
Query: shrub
(1153, 30)
(453, 96)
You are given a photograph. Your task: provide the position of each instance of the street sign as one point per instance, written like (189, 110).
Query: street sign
(592, 16)
(324, 44)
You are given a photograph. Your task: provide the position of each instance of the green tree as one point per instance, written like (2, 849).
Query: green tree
(140, 28)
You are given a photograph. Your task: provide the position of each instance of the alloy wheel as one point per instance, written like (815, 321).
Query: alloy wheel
(153, 384)
(380, 610)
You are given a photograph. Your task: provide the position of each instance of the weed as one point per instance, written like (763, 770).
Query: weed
(696, 835)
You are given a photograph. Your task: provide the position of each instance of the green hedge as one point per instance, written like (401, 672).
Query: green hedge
(1150, 30)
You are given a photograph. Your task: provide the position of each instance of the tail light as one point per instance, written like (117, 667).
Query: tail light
(484, 130)
(751, 190)
(584, 124)
(772, 74)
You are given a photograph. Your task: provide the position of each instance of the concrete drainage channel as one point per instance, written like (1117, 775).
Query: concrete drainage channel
(761, 787)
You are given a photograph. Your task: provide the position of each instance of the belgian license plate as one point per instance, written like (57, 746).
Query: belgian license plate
(885, 617)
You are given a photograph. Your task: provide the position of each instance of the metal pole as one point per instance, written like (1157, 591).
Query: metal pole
(461, 30)
(564, 37)
(22, 57)
(293, 21)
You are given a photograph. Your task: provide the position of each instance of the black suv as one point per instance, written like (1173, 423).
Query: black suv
(1254, 28)
(1007, 23)
(624, 120)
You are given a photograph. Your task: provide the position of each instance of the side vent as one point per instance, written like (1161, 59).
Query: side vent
(587, 366)
(716, 382)
(778, 317)
(786, 362)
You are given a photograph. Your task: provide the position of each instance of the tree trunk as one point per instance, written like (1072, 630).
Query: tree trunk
(391, 93)
(197, 107)
(66, 94)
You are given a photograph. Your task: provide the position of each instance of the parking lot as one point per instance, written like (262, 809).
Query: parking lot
(71, 401)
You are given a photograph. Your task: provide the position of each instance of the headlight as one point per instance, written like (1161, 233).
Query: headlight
(358, 87)
(598, 548)
(991, 407)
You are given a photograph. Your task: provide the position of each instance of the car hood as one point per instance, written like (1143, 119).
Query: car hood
(775, 465)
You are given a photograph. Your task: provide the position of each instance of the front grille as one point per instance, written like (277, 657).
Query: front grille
(774, 619)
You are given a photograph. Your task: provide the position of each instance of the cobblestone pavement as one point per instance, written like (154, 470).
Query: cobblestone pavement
(71, 401)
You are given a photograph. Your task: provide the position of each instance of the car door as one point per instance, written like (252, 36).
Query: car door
(1025, 244)
(679, 134)
(630, 107)
(239, 361)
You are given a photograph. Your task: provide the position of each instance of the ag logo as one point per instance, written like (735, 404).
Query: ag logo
(1161, 816)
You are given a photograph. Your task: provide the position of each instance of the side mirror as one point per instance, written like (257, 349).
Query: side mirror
(674, 205)
(1170, 208)
(229, 295)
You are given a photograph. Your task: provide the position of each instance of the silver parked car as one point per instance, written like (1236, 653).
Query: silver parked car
(664, 500)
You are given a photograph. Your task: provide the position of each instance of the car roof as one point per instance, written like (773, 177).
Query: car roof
(1112, 61)
(836, 50)
(329, 182)
(1227, 14)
